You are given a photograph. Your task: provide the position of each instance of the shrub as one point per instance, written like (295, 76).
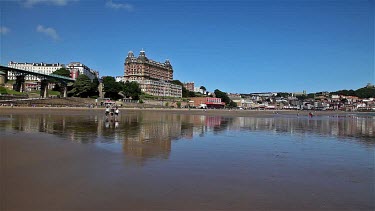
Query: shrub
(3, 90)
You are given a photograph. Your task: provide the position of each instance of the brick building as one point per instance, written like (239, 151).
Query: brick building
(154, 77)
(189, 86)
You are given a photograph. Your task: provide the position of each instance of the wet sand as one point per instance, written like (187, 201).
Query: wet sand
(215, 112)
(42, 171)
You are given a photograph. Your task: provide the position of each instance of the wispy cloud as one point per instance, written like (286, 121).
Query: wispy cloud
(111, 4)
(50, 32)
(4, 30)
(31, 3)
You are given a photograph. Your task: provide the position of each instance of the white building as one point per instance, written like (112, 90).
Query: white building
(120, 79)
(198, 89)
(81, 69)
(160, 88)
(43, 68)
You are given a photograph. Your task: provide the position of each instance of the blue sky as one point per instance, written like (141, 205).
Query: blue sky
(236, 46)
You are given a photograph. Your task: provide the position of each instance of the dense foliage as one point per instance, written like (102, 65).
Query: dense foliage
(131, 89)
(282, 94)
(83, 87)
(203, 88)
(365, 92)
(116, 90)
(3, 91)
(59, 86)
(62, 72)
(224, 98)
(111, 88)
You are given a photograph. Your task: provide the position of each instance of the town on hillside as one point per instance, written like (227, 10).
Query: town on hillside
(145, 81)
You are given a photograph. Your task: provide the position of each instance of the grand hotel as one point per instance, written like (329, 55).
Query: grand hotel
(154, 77)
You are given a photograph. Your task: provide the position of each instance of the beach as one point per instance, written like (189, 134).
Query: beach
(180, 159)
(220, 112)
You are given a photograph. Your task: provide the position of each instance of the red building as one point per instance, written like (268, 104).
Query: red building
(211, 102)
(189, 86)
(74, 73)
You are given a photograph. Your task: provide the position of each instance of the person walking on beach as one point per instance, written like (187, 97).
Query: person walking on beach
(107, 110)
(117, 112)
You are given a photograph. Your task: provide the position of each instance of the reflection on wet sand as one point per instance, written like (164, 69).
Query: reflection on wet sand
(150, 134)
(218, 163)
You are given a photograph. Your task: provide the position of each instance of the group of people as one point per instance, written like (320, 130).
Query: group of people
(111, 112)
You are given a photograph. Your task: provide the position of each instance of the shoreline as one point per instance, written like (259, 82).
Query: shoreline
(217, 112)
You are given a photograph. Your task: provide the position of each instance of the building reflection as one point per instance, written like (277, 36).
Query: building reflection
(146, 135)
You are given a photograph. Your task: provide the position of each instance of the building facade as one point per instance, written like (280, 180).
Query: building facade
(154, 77)
(77, 68)
(211, 102)
(189, 86)
(43, 68)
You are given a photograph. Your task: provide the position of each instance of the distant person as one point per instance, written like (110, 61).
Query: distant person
(117, 112)
(112, 111)
(310, 115)
(107, 110)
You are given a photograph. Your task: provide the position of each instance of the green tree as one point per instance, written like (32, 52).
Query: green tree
(301, 97)
(344, 92)
(82, 86)
(282, 94)
(191, 94)
(177, 82)
(111, 87)
(94, 87)
(203, 88)
(365, 92)
(232, 104)
(178, 104)
(3, 90)
(224, 97)
(62, 72)
(131, 89)
(311, 95)
(58, 85)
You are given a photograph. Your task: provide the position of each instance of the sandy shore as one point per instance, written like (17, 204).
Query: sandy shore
(41, 171)
(216, 112)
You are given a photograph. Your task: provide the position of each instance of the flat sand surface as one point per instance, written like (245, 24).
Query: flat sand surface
(41, 171)
(216, 112)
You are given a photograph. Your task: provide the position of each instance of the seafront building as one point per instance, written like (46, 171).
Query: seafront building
(77, 68)
(154, 77)
(44, 68)
(210, 102)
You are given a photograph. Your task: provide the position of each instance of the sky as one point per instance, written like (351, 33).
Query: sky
(237, 46)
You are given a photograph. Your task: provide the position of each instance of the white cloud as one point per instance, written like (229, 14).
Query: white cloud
(50, 32)
(112, 5)
(31, 3)
(4, 30)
